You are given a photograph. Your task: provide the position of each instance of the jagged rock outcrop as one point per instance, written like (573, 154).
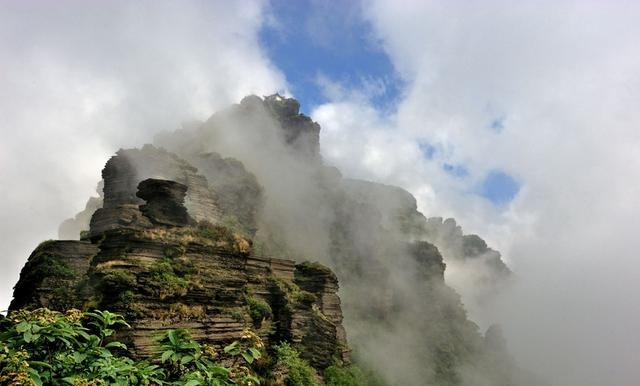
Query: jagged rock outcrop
(397, 207)
(300, 131)
(203, 279)
(51, 274)
(430, 263)
(240, 196)
(165, 202)
(317, 279)
(127, 168)
(461, 248)
(254, 185)
(162, 270)
(260, 121)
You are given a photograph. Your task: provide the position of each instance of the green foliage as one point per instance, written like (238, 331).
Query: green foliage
(165, 282)
(119, 279)
(44, 347)
(299, 372)
(293, 293)
(15, 369)
(44, 265)
(258, 309)
(188, 362)
(237, 316)
(304, 297)
(214, 232)
(173, 251)
(344, 376)
(105, 322)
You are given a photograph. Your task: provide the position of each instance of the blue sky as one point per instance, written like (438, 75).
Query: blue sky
(312, 40)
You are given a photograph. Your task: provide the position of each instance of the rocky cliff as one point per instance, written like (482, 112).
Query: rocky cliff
(163, 270)
(207, 229)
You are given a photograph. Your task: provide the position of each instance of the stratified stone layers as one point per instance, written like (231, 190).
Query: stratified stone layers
(163, 270)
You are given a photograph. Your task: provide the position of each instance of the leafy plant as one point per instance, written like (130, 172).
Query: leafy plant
(258, 309)
(165, 282)
(299, 372)
(189, 362)
(51, 348)
(215, 232)
(44, 347)
(249, 348)
(343, 376)
(105, 323)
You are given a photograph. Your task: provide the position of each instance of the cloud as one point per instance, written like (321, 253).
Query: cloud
(79, 81)
(562, 79)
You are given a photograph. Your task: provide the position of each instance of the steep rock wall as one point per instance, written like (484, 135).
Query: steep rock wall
(165, 271)
(127, 168)
(51, 274)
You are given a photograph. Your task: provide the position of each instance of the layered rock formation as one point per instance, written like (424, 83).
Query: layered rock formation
(164, 202)
(124, 171)
(448, 235)
(257, 196)
(51, 274)
(165, 271)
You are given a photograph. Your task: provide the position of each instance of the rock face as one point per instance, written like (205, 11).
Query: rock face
(163, 270)
(240, 196)
(127, 168)
(204, 236)
(204, 279)
(300, 131)
(51, 274)
(165, 202)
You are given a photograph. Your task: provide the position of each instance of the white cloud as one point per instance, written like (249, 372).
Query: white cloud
(79, 80)
(564, 75)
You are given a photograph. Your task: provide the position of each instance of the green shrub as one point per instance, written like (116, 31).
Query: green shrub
(165, 282)
(173, 251)
(44, 347)
(299, 372)
(304, 297)
(258, 309)
(214, 232)
(119, 279)
(293, 293)
(343, 376)
(237, 316)
(47, 265)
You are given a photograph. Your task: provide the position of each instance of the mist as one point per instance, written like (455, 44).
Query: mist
(392, 282)
(77, 84)
(79, 81)
(562, 79)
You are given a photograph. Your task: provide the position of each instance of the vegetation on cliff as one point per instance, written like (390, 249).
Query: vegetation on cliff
(207, 234)
(44, 347)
